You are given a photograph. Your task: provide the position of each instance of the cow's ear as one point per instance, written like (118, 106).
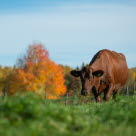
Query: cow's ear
(98, 73)
(75, 73)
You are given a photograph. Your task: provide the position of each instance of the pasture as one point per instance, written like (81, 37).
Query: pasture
(29, 115)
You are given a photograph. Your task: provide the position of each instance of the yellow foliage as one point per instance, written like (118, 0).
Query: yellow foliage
(39, 74)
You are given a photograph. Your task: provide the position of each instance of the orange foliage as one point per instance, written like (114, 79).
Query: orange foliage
(36, 72)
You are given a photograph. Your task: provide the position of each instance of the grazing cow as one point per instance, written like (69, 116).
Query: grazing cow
(107, 72)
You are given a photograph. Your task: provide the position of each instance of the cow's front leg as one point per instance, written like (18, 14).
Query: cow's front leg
(97, 97)
(108, 92)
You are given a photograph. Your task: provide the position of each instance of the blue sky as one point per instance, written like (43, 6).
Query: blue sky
(72, 30)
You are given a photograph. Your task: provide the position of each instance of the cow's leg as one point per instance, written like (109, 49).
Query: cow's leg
(108, 92)
(104, 97)
(97, 98)
(105, 92)
(114, 95)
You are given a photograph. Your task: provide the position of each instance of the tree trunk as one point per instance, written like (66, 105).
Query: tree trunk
(127, 90)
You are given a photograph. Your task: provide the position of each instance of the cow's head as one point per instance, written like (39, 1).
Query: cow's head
(89, 78)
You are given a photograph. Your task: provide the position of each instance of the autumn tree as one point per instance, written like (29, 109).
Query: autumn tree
(36, 72)
(4, 73)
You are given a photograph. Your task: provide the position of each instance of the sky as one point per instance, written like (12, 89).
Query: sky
(72, 30)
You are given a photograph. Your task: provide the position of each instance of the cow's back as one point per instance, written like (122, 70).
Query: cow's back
(114, 66)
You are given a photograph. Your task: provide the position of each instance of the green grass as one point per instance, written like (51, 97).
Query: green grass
(29, 115)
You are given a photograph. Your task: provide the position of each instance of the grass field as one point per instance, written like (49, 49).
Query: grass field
(29, 115)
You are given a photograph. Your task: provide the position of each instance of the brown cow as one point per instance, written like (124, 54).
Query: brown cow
(107, 72)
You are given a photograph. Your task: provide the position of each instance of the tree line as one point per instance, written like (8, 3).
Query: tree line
(36, 72)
